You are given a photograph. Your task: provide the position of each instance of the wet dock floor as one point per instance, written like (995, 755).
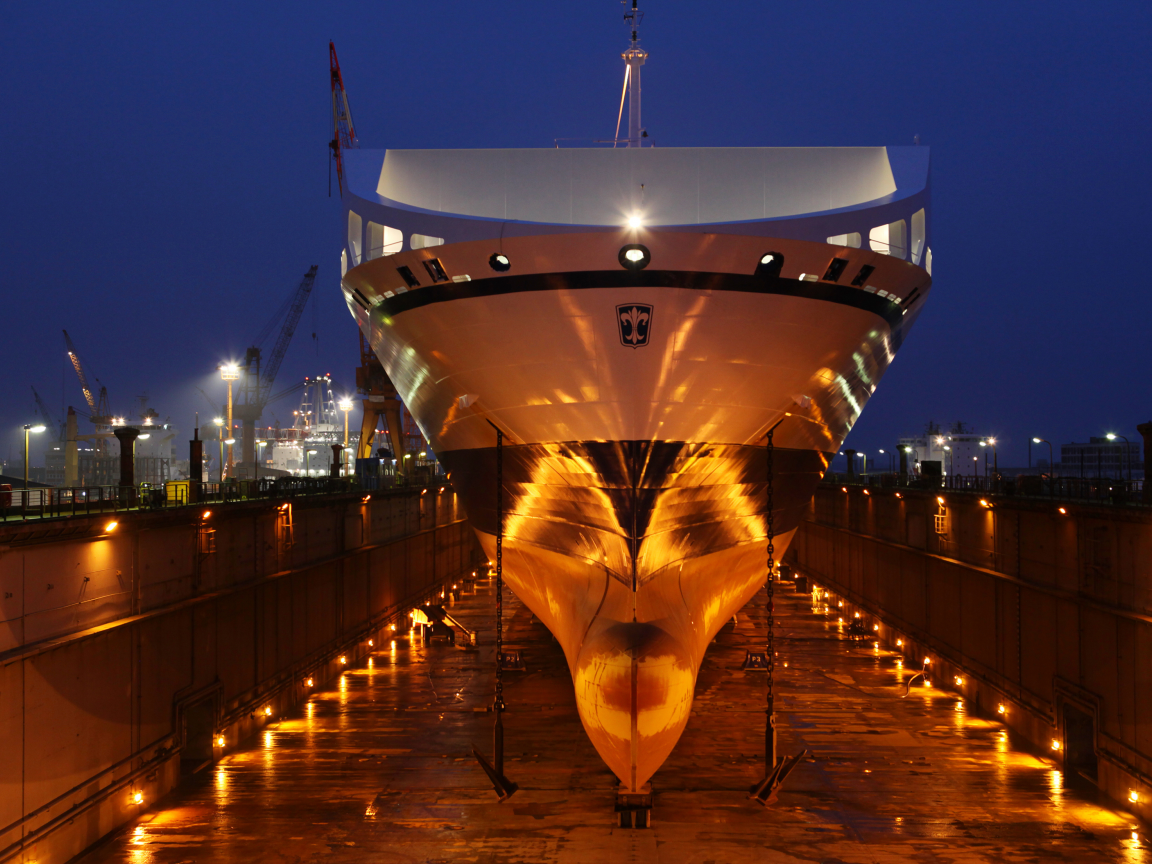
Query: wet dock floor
(376, 768)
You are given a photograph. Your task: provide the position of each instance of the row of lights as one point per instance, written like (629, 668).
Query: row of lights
(1001, 707)
(984, 502)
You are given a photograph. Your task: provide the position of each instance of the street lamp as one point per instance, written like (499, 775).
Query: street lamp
(219, 421)
(230, 373)
(345, 406)
(28, 427)
(1112, 436)
(1051, 464)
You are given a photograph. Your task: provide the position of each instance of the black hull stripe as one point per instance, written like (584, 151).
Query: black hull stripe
(826, 291)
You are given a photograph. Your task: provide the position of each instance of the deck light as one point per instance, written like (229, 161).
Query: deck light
(843, 488)
(308, 683)
(110, 527)
(1062, 511)
(959, 681)
(1133, 796)
(137, 797)
(219, 740)
(207, 513)
(876, 627)
(499, 262)
(634, 221)
(899, 495)
(634, 256)
(371, 643)
(343, 660)
(267, 710)
(1056, 744)
(1001, 708)
(984, 503)
(939, 499)
(899, 643)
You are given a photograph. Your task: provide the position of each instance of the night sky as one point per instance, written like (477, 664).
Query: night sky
(165, 176)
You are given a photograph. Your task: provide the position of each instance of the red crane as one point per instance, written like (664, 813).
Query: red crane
(343, 132)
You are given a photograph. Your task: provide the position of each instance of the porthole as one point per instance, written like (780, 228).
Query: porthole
(634, 256)
(769, 265)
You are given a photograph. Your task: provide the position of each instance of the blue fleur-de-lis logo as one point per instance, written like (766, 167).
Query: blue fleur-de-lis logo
(635, 320)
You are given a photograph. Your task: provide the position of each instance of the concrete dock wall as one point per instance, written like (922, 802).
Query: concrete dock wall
(129, 654)
(1042, 607)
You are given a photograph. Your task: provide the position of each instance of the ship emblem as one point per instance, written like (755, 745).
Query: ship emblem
(635, 320)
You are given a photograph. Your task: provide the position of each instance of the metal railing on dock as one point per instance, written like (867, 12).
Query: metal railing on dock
(53, 502)
(1099, 490)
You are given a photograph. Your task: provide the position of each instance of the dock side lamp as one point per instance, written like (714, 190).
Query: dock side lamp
(29, 427)
(219, 421)
(1051, 465)
(346, 407)
(259, 455)
(230, 372)
(1112, 436)
(308, 462)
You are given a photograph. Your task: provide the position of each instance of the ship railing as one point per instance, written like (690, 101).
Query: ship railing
(1100, 490)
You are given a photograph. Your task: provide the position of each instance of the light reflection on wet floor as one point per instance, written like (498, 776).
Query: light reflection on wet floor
(376, 767)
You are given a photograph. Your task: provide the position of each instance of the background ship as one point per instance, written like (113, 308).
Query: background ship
(635, 320)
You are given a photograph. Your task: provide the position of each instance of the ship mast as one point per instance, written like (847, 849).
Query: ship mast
(634, 57)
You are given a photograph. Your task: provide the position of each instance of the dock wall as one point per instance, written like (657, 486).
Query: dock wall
(1041, 606)
(133, 653)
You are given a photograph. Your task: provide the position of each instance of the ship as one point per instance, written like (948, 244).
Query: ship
(648, 329)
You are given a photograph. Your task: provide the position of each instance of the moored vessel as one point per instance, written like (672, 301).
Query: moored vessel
(635, 320)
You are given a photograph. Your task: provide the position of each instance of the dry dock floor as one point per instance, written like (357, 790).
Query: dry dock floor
(376, 768)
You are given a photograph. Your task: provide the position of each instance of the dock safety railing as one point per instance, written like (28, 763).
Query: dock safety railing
(1101, 490)
(22, 505)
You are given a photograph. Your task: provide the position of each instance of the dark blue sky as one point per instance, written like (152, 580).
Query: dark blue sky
(165, 181)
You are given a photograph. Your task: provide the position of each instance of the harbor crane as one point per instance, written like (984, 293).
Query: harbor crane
(49, 418)
(259, 376)
(99, 413)
(344, 133)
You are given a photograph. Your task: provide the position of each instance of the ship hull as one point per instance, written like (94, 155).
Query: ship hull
(635, 407)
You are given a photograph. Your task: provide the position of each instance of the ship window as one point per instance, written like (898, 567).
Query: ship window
(863, 275)
(835, 268)
(917, 235)
(436, 270)
(383, 240)
(890, 239)
(423, 241)
(355, 238)
(406, 275)
(852, 240)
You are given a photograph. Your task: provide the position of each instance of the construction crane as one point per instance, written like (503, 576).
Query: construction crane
(256, 389)
(48, 417)
(98, 406)
(343, 132)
